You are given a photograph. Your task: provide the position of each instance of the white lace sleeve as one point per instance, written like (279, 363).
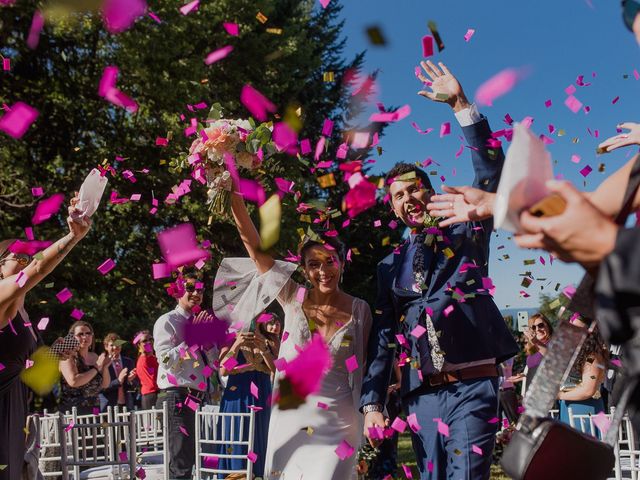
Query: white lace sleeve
(240, 293)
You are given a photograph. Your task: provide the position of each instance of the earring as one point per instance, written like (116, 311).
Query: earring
(307, 283)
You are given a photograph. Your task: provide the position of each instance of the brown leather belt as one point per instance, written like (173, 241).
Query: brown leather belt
(469, 373)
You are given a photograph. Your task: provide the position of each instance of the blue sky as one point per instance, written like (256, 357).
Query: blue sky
(556, 41)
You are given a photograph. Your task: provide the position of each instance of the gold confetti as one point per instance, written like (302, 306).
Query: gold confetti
(448, 252)
(327, 180)
(270, 216)
(43, 374)
(275, 31)
(261, 17)
(328, 77)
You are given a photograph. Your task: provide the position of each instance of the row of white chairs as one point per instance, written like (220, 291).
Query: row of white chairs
(113, 444)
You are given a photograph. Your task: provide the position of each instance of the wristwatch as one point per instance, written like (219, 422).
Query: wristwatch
(372, 407)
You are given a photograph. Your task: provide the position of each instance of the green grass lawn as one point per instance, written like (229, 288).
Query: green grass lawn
(407, 457)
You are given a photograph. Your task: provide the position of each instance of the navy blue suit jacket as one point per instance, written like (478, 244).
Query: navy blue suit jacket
(474, 328)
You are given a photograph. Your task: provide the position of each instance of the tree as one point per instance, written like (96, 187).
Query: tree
(162, 69)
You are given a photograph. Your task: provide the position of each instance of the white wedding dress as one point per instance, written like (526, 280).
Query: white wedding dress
(302, 442)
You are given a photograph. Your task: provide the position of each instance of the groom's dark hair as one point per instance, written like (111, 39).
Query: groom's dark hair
(402, 168)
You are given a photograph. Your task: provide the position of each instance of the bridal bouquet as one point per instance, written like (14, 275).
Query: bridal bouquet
(220, 145)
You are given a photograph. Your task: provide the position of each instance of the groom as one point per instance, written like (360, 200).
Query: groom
(433, 304)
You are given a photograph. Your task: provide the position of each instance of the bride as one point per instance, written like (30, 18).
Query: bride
(317, 440)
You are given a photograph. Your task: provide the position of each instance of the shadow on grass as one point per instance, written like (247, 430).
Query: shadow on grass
(408, 458)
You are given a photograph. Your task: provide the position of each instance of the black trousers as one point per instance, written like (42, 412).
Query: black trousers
(149, 400)
(182, 433)
(509, 404)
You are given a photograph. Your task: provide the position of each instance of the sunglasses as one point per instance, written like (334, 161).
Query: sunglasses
(192, 287)
(538, 326)
(22, 258)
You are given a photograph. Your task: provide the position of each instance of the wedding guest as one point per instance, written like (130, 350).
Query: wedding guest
(147, 369)
(254, 351)
(303, 441)
(181, 375)
(581, 390)
(19, 339)
(122, 375)
(84, 374)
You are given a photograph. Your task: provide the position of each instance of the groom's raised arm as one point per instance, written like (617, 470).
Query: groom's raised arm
(487, 156)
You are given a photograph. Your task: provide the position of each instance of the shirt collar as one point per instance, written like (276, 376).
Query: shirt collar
(182, 311)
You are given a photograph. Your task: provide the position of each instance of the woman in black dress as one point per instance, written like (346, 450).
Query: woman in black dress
(18, 338)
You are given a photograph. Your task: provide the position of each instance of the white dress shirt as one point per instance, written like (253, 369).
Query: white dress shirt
(178, 364)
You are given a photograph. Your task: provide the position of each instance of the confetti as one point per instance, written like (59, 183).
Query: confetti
(119, 15)
(344, 450)
(18, 119)
(427, 46)
(189, 7)
(469, 34)
(376, 37)
(497, 86)
(106, 266)
(231, 28)
(256, 103)
(43, 373)
(218, 54)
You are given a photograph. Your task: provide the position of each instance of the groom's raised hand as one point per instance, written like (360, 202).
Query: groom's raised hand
(444, 86)
(374, 421)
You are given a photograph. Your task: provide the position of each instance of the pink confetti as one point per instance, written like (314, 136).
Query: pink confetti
(313, 357)
(427, 46)
(575, 158)
(231, 28)
(344, 450)
(47, 208)
(407, 471)
(443, 428)
(570, 90)
(6, 64)
(323, 406)
(615, 100)
(418, 331)
(448, 310)
(184, 430)
(256, 103)
(445, 129)
(218, 54)
(497, 86)
(37, 191)
(399, 425)
(107, 89)
(548, 103)
(573, 103)
(430, 466)
(252, 457)
(64, 295)
(476, 449)
(37, 23)
(586, 171)
(18, 119)
(396, 116)
(300, 294)
(189, 7)
(351, 363)
(324, 3)
(21, 279)
(42, 324)
(155, 17)
(77, 314)
(285, 138)
(253, 388)
(179, 245)
(106, 266)
(469, 34)
(210, 461)
(414, 425)
(69, 426)
(161, 270)
(119, 15)
(230, 363)
(601, 421)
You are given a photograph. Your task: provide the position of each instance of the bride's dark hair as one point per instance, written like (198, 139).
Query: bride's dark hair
(332, 243)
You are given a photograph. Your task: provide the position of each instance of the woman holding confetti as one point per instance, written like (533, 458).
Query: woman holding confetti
(314, 437)
(249, 365)
(21, 269)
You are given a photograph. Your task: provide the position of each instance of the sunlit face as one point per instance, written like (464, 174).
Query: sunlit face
(274, 327)
(84, 335)
(323, 268)
(113, 349)
(409, 202)
(13, 263)
(192, 294)
(540, 329)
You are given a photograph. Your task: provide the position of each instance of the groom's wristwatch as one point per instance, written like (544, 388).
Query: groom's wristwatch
(371, 407)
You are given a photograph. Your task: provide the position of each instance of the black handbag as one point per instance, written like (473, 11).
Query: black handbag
(549, 449)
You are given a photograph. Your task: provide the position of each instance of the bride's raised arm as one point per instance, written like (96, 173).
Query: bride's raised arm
(248, 232)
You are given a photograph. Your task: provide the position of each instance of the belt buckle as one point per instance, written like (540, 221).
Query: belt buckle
(433, 382)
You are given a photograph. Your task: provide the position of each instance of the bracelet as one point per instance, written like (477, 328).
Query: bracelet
(371, 407)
